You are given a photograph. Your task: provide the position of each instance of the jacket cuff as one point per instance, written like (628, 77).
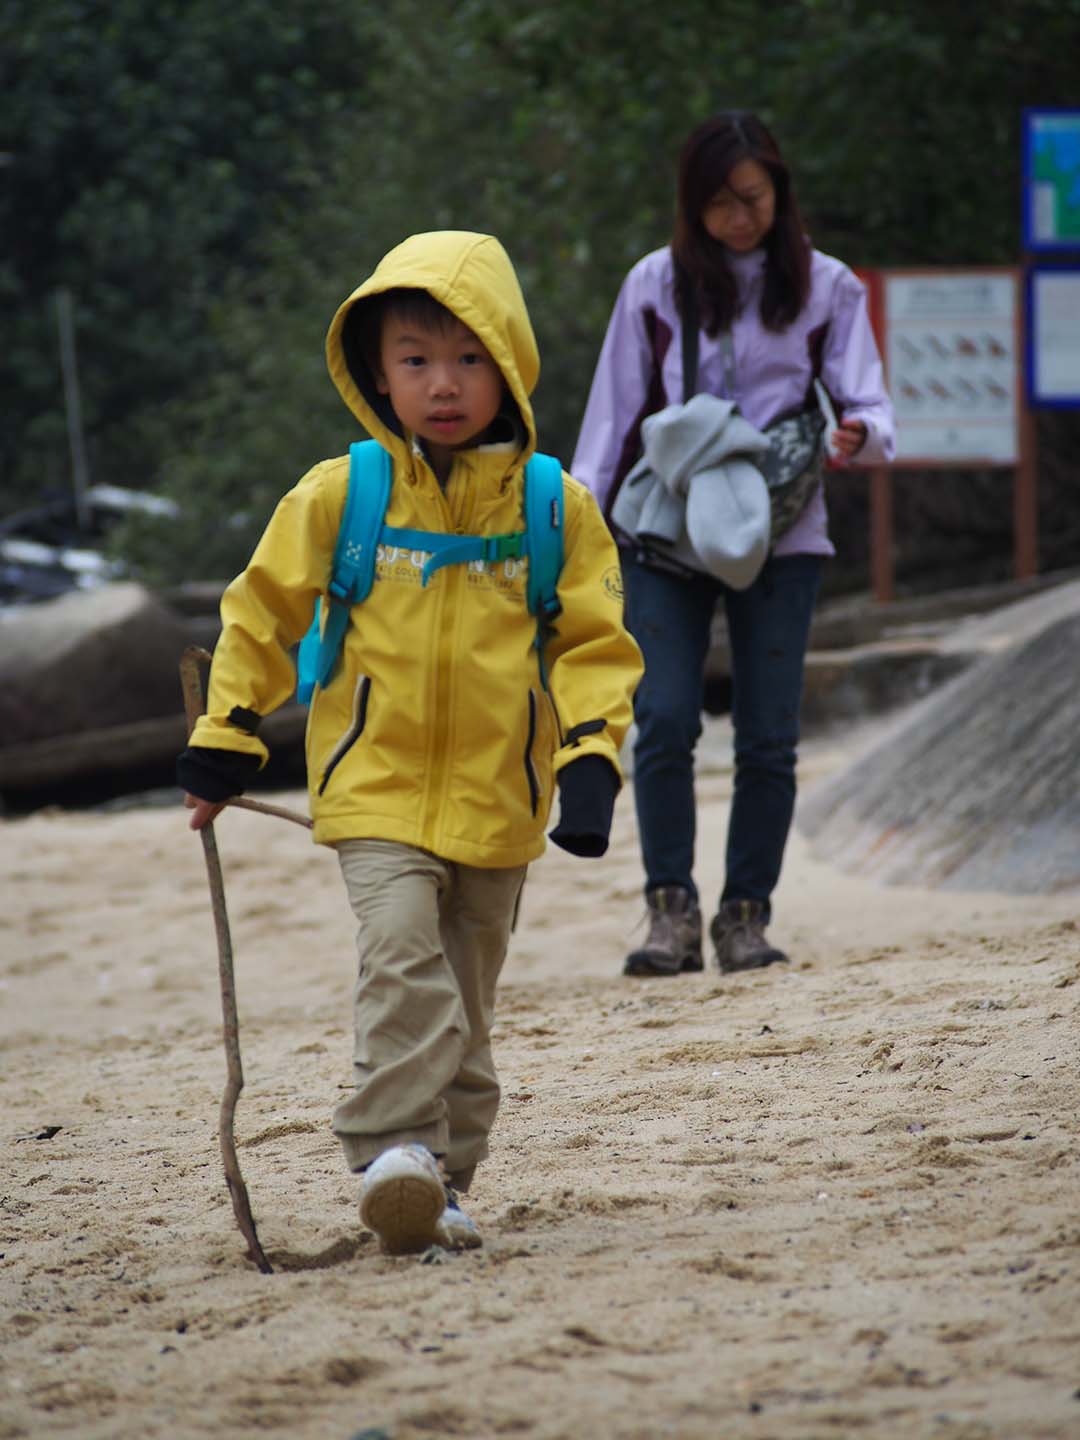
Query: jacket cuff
(587, 791)
(215, 775)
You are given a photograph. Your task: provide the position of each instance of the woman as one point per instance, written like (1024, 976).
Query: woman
(774, 314)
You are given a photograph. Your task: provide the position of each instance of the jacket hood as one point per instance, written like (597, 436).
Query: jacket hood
(472, 276)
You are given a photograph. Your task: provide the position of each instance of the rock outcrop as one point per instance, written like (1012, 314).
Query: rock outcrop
(86, 660)
(977, 786)
(90, 696)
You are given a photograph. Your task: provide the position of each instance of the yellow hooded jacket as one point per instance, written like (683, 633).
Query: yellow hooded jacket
(434, 730)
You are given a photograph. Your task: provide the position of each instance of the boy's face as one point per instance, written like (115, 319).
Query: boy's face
(442, 383)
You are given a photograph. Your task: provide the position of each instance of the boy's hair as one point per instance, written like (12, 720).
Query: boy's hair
(361, 334)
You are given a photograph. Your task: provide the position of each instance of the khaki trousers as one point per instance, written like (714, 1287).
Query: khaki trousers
(432, 939)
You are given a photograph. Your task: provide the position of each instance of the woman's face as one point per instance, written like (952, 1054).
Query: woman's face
(741, 214)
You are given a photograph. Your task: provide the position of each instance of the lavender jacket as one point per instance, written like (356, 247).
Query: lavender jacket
(640, 372)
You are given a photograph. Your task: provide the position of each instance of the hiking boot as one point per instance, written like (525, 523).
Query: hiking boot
(738, 936)
(456, 1230)
(402, 1199)
(674, 940)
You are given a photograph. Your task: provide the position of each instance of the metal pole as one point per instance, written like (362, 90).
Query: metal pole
(80, 476)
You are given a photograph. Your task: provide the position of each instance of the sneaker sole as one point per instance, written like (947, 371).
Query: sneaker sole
(404, 1212)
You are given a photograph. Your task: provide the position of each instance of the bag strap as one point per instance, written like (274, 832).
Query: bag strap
(353, 571)
(544, 532)
(443, 549)
(370, 475)
(690, 323)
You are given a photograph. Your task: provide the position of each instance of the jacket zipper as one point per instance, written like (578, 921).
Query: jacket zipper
(355, 730)
(461, 504)
(530, 768)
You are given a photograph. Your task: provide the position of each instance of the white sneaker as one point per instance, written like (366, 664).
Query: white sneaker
(402, 1199)
(456, 1230)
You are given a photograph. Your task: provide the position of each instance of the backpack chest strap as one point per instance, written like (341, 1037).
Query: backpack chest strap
(443, 549)
(362, 531)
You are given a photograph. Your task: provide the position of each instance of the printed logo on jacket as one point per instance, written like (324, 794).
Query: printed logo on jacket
(405, 567)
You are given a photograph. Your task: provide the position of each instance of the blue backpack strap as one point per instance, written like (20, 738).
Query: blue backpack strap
(544, 532)
(353, 571)
(362, 530)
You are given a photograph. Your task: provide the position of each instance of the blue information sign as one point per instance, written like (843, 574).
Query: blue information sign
(1052, 180)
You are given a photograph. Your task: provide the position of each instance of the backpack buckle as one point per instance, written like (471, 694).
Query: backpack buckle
(503, 547)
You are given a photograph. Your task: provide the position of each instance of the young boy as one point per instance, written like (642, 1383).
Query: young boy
(434, 747)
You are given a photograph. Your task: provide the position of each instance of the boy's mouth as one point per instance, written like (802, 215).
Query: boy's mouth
(446, 419)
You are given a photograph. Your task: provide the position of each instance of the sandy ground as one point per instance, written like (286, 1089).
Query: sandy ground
(835, 1201)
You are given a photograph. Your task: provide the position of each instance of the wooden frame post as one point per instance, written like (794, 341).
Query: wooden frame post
(881, 534)
(1026, 501)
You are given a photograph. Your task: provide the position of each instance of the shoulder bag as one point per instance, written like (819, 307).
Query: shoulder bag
(794, 464)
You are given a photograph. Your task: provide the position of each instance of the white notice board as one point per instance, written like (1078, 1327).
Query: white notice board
(953, 364)
(1053, 367)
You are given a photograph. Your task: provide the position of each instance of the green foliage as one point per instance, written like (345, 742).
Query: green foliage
(146, 152)
(211, 182)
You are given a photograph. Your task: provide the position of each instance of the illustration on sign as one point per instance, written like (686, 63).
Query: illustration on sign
(1052, 175)
(950, 349)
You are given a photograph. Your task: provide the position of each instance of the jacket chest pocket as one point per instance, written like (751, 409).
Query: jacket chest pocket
(361, 697)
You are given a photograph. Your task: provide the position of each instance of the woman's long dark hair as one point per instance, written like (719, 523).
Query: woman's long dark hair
(708, 156)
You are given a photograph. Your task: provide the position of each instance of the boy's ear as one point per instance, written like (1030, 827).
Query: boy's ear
(381, 384)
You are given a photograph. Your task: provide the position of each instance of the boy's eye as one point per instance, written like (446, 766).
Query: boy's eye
(413, 361)
(472, 357)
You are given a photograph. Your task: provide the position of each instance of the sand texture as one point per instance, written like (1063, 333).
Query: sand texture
(835, 1200)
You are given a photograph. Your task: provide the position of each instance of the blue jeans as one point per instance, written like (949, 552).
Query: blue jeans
(670, 616)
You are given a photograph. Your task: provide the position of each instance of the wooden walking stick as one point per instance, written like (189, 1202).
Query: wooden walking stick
(191, 683)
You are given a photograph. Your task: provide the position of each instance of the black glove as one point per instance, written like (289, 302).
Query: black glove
(214, 775)
(587, 790)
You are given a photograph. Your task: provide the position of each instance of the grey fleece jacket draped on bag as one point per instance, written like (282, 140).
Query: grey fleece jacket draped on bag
(696, 495)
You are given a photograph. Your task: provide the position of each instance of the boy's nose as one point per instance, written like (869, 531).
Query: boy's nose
(443, 381)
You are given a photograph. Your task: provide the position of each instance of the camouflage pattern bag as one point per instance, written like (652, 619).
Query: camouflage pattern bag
(793, 466)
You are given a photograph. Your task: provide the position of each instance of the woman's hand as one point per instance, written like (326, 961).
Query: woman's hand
(204, 811)
(847, 439)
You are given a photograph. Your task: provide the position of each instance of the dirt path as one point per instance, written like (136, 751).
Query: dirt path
(834, 1201)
